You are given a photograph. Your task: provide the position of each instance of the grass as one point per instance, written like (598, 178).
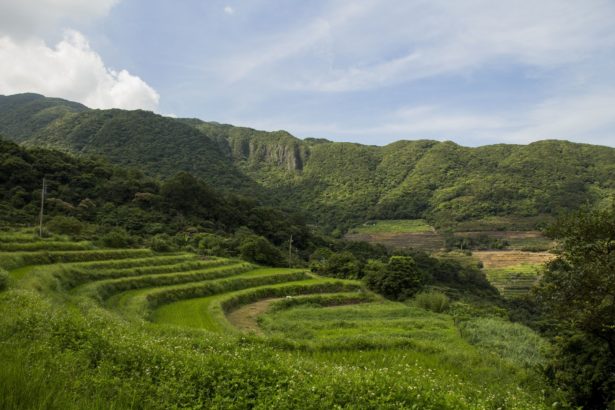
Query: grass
(393, 226)
(148, 331)
(511, 341)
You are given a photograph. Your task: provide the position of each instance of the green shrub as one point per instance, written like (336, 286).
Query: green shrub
(399, 279)
(4, 279)
(117, 238)
(432, 300)
(339, 265)
(65, 225)
(259, 250)
(161, 243)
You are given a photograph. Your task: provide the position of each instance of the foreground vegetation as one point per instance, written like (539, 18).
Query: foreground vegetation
(137, 329)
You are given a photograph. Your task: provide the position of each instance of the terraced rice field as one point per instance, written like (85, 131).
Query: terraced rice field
(180, 289)
(427, 241)
(403, 233)
(328, 339)
(513, 273)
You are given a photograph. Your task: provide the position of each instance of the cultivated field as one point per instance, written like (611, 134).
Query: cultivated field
(132, 328)
(513, 273)
(418, 234)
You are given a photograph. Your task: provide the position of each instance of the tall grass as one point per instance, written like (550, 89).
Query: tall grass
(432, 300)
(511, 341)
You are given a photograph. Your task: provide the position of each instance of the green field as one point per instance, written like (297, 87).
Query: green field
(136, 329)
(393, 226)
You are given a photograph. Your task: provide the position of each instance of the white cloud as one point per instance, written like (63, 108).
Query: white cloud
(229, 10)
(70, 70)
(582, 117)
(586, 117)
(378, 43)
(308, 39)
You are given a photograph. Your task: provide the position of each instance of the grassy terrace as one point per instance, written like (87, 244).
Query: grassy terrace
(135, 329)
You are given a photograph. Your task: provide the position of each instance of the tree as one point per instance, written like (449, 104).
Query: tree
(399, 279)
(341, 265)
(259, 250)
(578, 289)
(578, 286)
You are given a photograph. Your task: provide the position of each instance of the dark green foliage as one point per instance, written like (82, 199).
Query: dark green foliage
(578, 289)
(65, 225)
(337, 264)
(584, 368)
(399, 279)
(4, 279)
(161, 243)
(87, 198)
(259, 250)
(118, 238)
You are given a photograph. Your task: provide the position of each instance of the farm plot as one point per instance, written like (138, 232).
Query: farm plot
(403, 233)
(513, 273)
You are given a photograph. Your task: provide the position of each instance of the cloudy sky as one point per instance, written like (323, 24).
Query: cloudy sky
(372, 71)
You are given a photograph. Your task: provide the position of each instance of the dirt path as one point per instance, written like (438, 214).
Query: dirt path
(245, 318)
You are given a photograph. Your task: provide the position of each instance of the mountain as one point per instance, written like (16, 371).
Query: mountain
(337, 184)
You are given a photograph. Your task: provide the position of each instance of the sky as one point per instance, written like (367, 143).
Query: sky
(475, 72)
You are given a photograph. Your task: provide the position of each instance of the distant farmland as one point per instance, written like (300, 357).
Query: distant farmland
(513, 273)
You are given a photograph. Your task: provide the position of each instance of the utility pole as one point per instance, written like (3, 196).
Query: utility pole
(40, 219)
(290, 250)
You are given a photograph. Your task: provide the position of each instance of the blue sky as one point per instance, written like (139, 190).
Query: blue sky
(474, 71)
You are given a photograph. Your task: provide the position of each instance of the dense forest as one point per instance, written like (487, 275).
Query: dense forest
(337, 184)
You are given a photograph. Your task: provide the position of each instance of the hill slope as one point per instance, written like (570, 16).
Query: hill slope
(337, 183)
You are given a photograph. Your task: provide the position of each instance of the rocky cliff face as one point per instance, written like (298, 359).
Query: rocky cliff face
(278, 149)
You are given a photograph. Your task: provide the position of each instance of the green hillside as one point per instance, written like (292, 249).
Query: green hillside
(337, 184)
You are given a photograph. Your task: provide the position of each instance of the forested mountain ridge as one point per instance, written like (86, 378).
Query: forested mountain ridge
(336, 183)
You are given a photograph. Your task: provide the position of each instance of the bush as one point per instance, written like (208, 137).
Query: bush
(339, 265)
(117, 238)
(161, 243)
(65, 225)
(259, 250)
(4, 279)
(399, 279)
(433, 300)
